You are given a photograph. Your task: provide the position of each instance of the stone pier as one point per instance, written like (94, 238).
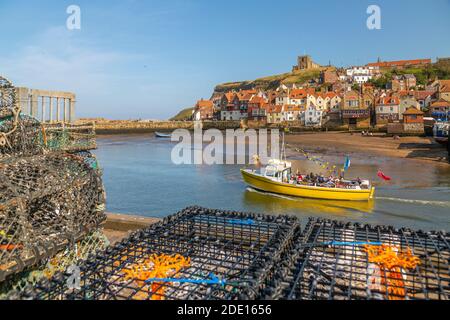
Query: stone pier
(47, 106)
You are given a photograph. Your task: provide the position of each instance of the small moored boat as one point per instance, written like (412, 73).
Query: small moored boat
(277, 178)
(162, 135)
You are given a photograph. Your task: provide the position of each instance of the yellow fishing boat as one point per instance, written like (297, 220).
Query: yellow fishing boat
(276, 177)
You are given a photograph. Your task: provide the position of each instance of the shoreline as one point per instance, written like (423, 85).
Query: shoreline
(336, 144)
(118, 226)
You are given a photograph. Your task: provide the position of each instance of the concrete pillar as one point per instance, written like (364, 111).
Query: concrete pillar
(34, 105)
(72, 110)
(51, 109)
(23, 99)
(58, 110)
(64, 110)
(43, 113)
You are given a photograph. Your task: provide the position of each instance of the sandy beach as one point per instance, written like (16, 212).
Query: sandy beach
(334, 143)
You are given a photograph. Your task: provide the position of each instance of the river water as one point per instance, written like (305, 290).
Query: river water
(140, 179)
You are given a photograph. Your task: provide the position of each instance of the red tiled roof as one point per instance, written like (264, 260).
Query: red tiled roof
(204, 104)
(441, 103)
(423, 94)
(444, 85)
(230, 95)
(244, 96)
(412, 110)
(331, 95)
(388, 100)
(301, 93)
(257, 99)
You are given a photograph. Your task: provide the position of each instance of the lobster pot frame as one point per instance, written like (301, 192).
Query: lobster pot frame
(348, 261)
(25, 137)
(230, 256)
(46, 203)
(69, 138)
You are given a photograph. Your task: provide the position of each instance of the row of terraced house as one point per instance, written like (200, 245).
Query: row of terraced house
(359, 109)
(340, 97)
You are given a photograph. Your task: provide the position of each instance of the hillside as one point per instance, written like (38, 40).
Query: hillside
(423, 74)
(272, 82)
(184, 114)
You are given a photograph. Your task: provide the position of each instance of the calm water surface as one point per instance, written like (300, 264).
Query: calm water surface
(140, 179)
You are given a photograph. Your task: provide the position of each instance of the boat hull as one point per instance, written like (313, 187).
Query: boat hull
(265, 184)
(162, 135)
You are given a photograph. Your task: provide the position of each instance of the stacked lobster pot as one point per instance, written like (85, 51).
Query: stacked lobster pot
(51, 191)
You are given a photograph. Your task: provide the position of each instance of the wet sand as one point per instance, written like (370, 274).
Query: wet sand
(119, 226)
(417, 148)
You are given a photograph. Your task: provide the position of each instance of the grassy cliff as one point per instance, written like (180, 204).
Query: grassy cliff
(272, 82)
(185, 114)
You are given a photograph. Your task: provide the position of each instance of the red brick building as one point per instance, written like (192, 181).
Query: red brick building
(329, 76)
(400, 64)
(413, 121)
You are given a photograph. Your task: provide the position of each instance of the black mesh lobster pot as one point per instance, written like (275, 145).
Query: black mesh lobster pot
(224, 255)
(346, 261)
(49, 198)
(46, 203)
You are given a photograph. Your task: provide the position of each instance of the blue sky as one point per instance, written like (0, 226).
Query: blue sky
(149, 59)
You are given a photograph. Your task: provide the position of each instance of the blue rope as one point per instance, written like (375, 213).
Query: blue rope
(240, 221)
(355, 243)
(213, 280)
(227, 221)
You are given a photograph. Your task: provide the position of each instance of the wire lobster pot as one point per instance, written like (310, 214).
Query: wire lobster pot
(51, 190)
(346, 261)
(197, 254)
(69, 138)
(45, 204)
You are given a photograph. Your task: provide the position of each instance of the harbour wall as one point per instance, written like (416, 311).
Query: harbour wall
(103, 127)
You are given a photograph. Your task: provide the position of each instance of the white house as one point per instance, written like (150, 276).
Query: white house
(362, 74)
(361, 78)
(324, 101)
(282, 98)
(312, 117)
(291, 112)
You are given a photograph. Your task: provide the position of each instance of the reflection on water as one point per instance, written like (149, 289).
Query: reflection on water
(140, 179)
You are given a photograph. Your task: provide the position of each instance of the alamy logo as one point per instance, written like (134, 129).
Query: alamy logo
(235, 147)
(73, 22)
(374, 20)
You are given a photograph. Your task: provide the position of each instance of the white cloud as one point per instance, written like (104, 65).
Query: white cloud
(59, 60)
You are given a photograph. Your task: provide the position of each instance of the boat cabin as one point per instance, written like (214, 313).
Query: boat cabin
(278, 170)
